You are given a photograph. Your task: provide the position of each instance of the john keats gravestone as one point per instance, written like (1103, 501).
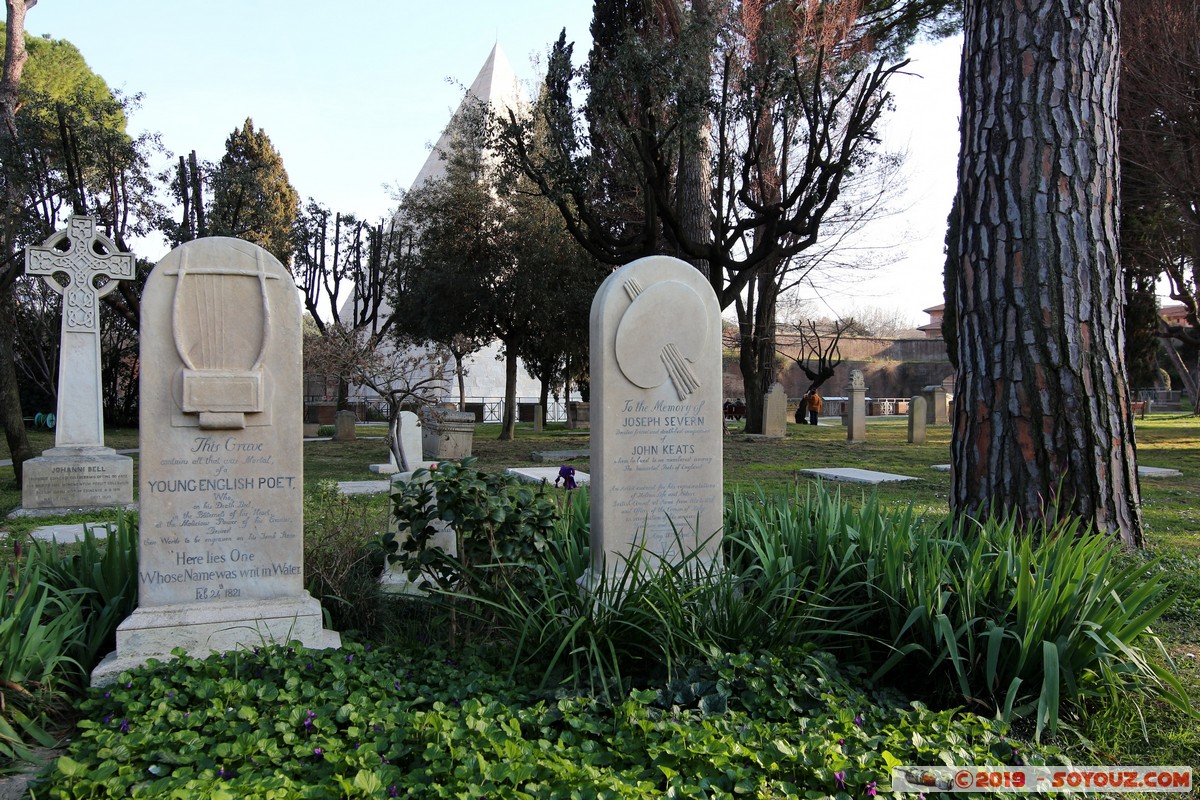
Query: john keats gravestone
(79, 471)
(656, 411)
(221, 477)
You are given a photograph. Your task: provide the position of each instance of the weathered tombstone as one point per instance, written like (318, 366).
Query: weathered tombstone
(657, 437)
(221, 480)
(394, 578)
(856, 423)
(579, 415)
(936, 412)
(343, 426)
(446, 434)
(916, 420)
(538, 423)
(79, 471)
(948, 387)
(405, 443)
(775, 412)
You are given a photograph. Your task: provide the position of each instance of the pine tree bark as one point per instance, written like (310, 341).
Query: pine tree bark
(1042, 420)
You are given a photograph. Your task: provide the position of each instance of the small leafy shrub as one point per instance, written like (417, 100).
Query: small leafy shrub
(283, 722)
(500, 527)
(104, 575)
(338, 564)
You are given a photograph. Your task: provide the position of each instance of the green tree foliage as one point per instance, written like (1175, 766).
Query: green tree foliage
(1159, 110)
(486, 259)
(722, 134)
(252, 197)
(63, 150)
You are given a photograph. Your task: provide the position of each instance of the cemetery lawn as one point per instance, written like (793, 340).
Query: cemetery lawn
(1135, 732)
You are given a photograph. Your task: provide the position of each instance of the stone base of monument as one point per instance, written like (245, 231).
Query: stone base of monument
(447, 434)
(214, 626)
(77, 478)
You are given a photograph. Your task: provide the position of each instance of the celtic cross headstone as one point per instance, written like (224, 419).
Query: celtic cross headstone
(80, 402)
(79, 472)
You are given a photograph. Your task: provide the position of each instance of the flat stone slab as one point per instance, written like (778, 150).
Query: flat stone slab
(1159, 472)
(1145, 472)
(548, 474)
(364, 487)
(384, 469)
(559, 455)
(33, 513)
(855, 475)
(69, 533)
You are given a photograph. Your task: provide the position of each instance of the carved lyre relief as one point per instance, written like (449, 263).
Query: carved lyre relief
(221, 323)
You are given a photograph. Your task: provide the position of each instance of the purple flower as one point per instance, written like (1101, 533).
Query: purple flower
(858, 720)
(393, 791)
(318, 753)
(106, 720)
(871, 790)
(397, 685)
(129, 685)
(124, 726)
(841, 742)
(225, 773)
(350, 658)
(171, 694)
(840, 777)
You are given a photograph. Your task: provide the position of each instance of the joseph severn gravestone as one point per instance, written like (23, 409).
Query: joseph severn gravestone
(657, 421)
(221, 481)
(79, 471)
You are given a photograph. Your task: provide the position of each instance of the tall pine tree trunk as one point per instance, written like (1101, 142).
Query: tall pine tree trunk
(1042, 416)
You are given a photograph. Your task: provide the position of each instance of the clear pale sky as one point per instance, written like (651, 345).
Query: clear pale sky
(353, 93)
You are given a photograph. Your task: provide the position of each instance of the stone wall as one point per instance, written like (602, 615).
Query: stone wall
(890, 367)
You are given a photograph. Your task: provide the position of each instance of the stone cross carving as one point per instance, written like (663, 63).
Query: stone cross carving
(83, 256)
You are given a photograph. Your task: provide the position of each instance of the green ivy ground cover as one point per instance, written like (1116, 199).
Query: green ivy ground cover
(283, 722)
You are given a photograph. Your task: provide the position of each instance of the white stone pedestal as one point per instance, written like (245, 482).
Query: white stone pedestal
(219, 626)
(77, 478)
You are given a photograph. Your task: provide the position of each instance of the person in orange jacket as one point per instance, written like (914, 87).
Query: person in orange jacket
(813, 402)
